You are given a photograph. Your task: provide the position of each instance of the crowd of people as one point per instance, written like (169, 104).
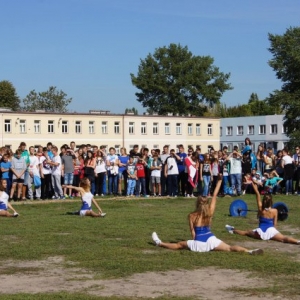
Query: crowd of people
(52, 173)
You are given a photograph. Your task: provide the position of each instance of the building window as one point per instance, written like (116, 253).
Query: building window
(117, 127)
(77, 126)
(117, 147)
(91, 127)
(262, 129)
(167, 128)
(22, 126)
(7, 125)
(155, 128)
(198, 129)
(240, 130)
(284, 129)
(209, 129)
(190, 129)
(131, 128)
(221, 132)
(273, 129)
(229, 130)
(104, 127)
(64, 126)
(155, 146)
(251, 129)
(50, 126)
(143, 128)
(37, 126)
(178, 128)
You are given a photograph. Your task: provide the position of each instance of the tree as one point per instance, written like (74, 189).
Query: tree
(286, 63)
(8, 95)
(131, 110)
(50, 101)
(174, 80)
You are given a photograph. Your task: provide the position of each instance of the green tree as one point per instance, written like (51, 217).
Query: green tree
(51, 101)
(131, 110)
(286, 63)
(174, 80)
(8, 95)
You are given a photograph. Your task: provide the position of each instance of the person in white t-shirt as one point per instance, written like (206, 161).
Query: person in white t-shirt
(287, 164)
(34, 169)
(155, 175)
(235, 159)
(171, 172)
(46, 187)
(55, 163)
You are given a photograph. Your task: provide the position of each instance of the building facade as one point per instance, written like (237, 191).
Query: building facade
(260, 129)
(112, 130)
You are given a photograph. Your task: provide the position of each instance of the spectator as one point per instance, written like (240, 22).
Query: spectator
(112, 164)
(205, 174)
(171, 173)
(132, 176)
(155, 168)
(67, 161)
(182, 175)
(235, 160)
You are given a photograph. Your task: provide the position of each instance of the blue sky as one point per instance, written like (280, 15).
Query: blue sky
(88, 48)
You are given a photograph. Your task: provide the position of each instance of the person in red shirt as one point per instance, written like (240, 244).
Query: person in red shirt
(141, 180)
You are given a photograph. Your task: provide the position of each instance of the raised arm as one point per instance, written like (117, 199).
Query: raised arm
(215, 194)
(258, 200)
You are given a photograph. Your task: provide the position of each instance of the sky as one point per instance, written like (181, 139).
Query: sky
(88, 48)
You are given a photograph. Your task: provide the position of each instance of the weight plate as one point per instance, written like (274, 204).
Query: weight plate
(282, 210)
(238, 208)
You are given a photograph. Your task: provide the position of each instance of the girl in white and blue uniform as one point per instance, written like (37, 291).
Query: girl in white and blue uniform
(87, 199)
(4, 204)
(267, 217)
(203, 240)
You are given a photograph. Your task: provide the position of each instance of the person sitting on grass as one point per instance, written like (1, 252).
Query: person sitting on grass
(203, 240)
(4, 204)
(267, 222)
(87, 198)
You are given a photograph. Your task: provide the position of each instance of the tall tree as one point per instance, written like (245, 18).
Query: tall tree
(8, 95)
(131, 110)
(174, 80)
(286, 63)
(52, 100)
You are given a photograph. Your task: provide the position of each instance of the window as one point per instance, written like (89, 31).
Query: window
(37, 126)
(77, 126)
(7, 125)
(273, 129)
(229, 130)
(143, 128)
(190, 129)
(117, 127)
(91, 127)
(262, 129)
(167, 128)
(50, 126)
(178, 128)
(64, 126)
(284, 129)
(155, 146)
(198, 129)
(104, 127)
(155, 128)
(131, 128)
(251, 129)
(117, 147)
(22, 126)
(240, 130)
(221, 132)
(209, 129)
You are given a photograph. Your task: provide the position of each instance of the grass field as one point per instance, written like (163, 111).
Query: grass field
(120, 244)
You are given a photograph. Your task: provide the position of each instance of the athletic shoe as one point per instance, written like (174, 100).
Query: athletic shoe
(102, 214)
(256, 252)
(16, 214)
(298, 243)
(229, 228)
(155, 238)
(62, 197)
(71, 197)
(66, 196)
(188, 196)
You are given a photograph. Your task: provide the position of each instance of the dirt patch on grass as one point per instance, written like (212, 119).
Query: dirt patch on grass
(49, 276)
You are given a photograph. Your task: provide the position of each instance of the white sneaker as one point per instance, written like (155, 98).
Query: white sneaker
(256, 252)
(155, 238)
(16, 214)
(188, 196)
(102, 214)
(229, 228)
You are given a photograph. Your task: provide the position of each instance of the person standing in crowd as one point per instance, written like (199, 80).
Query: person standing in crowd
(269, 160)
(122, 175)
(288, 167)
(155, 175)
(55, 163)
(171, 173)
(89, 169)
(163, 178)
(200, 160)
(132, 177)
(260, 165)
(100, 172)
(141, 180)
(192, 164)
(18, 168)
(103, 149)
(235, 160)
(25, 155)
(67, 161)
(112, 164)
(296, 159)
(5, 172)
(205, 174)
(147, 159)
(182, 175)
(45, 176)
(34, 169)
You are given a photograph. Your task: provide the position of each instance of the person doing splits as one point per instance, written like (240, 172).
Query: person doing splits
(87, 198)
(267, 222)
(203, 240)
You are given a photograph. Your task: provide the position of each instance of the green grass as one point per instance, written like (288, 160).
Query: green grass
(120, 244)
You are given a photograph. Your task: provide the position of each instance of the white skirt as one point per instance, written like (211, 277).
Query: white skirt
(207, 246)
(270, 232)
